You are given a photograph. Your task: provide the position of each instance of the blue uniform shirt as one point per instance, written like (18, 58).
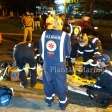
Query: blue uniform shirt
(87, 51)
(105, 80)
(55, 47)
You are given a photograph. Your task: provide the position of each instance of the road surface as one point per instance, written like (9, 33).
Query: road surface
(32, 100)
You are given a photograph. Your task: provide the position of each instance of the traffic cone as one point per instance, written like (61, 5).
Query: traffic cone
(1, 38)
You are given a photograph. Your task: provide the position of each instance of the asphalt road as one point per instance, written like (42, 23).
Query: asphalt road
(8, 42)
(28, 100)
(32, 100)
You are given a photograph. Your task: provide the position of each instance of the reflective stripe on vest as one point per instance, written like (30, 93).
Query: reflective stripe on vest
(80, 52)
(94, 40)
(62, 46)
(33, 68)
(43, 41)
(108, 72)
(89, 51)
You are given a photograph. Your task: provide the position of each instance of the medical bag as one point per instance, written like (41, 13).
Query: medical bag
(5, 95)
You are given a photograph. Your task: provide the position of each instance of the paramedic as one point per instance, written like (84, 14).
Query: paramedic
(55, 48)
(23, 53)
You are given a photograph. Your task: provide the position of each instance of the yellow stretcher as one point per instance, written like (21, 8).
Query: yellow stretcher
(71, 79)
(75, 79)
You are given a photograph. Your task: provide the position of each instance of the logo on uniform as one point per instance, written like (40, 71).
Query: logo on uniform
(51, 46)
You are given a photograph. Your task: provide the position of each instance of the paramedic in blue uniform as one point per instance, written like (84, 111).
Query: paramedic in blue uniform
(105, 79)
(55, 48)
(24, 53)
(102, 90)
(88, 46)
(75, 42)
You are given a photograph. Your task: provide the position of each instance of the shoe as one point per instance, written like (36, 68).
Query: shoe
(49, 102)
(63, 105)
(23, 86)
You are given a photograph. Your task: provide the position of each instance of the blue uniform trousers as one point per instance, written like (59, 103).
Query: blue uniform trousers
(54, 79)
(20, 62)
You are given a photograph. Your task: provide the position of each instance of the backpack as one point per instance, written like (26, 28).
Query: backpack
(5, 95)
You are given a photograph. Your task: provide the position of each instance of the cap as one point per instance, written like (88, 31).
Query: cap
(103, 61)
(105, 58)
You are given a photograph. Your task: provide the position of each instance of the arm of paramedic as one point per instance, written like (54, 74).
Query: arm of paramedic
(98, 46)
(32, 23)
(38, 47)
(67, 46)
(41, 42)
(80, 50)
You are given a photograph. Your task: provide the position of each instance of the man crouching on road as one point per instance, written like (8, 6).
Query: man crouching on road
(23, 53)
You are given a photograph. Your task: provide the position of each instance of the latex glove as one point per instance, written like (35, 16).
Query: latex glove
(73, 60)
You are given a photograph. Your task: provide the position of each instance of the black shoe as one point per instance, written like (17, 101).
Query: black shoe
(63, 105)
(49, 102)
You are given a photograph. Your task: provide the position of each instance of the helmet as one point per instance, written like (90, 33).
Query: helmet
(50, 22)
(103, 60)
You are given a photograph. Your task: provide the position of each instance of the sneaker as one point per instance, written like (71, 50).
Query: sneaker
(49, 102)
(63, 105)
